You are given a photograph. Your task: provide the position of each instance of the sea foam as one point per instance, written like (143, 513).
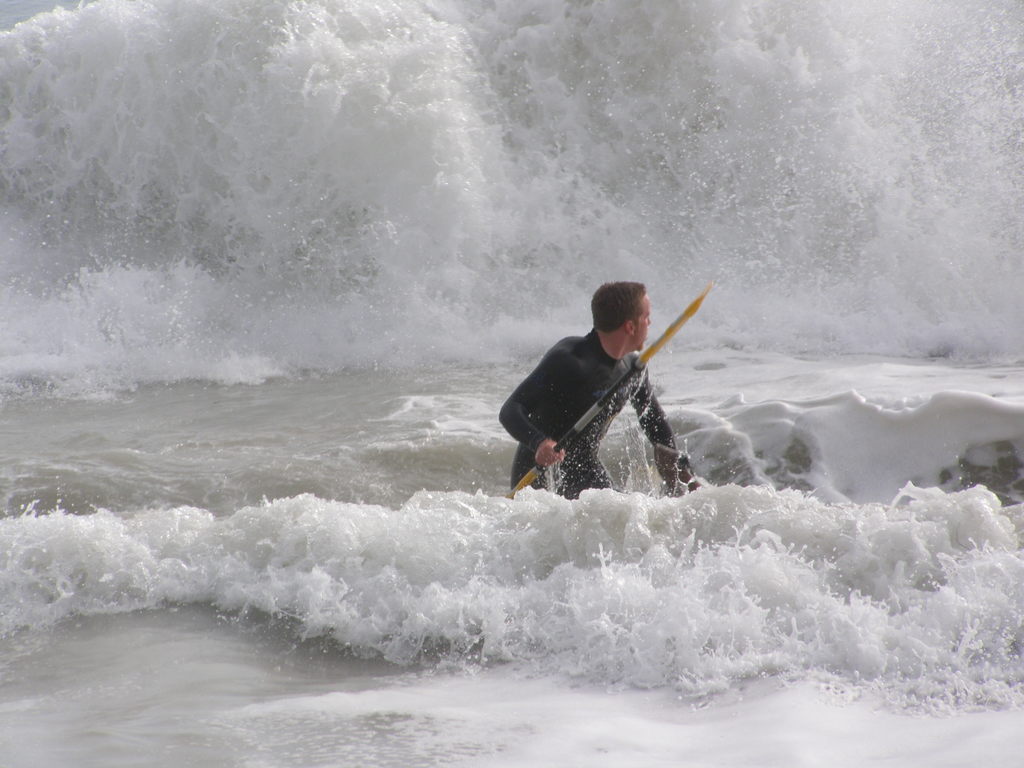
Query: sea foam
(916, 598)
(323, 184)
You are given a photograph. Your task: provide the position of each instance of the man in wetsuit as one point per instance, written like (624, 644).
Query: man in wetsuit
(570, 378)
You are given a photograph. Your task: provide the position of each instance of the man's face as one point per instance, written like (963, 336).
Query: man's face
(638, 328)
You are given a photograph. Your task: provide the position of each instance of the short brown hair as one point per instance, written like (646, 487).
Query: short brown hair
(615, 303)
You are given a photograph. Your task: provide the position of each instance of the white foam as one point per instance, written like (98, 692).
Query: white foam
(453, 180)
(915, 599)
(497, 719)
(845, 447)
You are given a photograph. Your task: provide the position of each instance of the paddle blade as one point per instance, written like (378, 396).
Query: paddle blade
(689, 312)
(528, 478)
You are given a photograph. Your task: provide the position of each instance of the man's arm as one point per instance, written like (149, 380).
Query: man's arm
(673, 466)
(515, 417)
(653, 420)
(557, 373)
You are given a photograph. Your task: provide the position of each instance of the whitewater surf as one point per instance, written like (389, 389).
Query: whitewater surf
(268, 269)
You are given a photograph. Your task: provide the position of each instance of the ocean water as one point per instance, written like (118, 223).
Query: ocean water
(269, 268)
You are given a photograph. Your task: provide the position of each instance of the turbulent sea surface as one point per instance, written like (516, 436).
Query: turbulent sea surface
(268, 270)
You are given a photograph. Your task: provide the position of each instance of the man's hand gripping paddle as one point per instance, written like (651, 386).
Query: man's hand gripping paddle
(639, 363)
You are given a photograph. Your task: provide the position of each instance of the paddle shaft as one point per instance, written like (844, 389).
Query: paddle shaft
(638, 364)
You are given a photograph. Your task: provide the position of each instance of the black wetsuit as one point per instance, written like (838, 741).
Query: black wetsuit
(569, 379)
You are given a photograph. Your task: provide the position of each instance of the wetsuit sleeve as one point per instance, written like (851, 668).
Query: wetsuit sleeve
(515, 413)
(652, 418)
(542, 405)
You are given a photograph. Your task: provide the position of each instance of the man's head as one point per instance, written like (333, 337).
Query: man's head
(623, 307)
(615, 303)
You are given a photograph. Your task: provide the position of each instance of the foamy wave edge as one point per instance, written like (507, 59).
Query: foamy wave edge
(920, 598)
